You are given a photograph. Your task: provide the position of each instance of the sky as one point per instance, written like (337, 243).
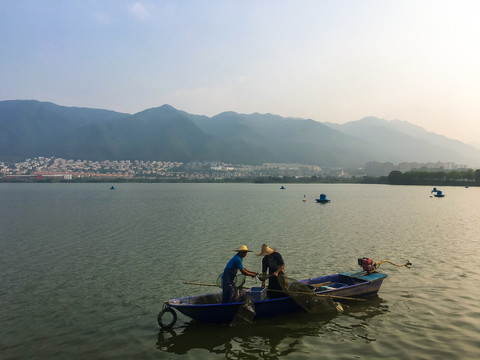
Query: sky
(330, 61)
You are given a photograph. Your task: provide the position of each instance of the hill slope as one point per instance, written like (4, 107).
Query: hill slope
(30, 128)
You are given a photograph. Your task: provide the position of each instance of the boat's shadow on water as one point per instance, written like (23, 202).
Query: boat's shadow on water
(277, 336)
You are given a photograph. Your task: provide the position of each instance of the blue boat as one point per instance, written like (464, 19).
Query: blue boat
(323, 199)
(342, 287)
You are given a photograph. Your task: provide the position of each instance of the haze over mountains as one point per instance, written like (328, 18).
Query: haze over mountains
(30, 128)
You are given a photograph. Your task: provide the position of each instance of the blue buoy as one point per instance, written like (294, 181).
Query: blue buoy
(323, 199)
(439, 194)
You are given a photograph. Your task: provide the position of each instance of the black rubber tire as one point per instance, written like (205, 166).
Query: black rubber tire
(171, 323)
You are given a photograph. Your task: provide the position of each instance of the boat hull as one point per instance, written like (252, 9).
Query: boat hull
(208, 308)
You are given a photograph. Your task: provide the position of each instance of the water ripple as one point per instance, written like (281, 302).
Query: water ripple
(86, 270)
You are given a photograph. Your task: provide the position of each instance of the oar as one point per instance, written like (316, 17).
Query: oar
(202, 284)
(195, 283)
(323, 295)
(293, 292)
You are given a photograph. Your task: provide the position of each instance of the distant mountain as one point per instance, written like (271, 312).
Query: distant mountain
(401, 141)
(31, 128)
(289, 140)
(475, 144)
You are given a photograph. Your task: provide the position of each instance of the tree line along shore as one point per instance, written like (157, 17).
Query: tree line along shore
(434, 178)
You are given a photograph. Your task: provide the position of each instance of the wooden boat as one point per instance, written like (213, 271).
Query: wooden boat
(339, 287)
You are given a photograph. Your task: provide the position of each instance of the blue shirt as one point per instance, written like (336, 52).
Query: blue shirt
(236, 262)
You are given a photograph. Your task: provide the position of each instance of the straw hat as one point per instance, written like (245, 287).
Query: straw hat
(243, 248)
(265, 250)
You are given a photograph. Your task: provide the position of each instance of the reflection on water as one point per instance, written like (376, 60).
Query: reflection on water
(272, 337)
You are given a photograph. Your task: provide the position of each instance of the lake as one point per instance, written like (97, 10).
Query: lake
(85, 269)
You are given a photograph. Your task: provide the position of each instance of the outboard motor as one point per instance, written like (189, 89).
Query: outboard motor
(367, 264)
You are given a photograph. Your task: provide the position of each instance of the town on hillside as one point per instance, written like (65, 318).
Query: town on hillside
(52, 168)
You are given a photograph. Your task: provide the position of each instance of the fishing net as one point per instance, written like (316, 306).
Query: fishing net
(245, 312)
(306, 297)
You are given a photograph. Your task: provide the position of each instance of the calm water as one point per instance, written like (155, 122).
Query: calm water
(85, 269)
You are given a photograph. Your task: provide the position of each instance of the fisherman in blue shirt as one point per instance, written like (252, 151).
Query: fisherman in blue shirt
(228, 277)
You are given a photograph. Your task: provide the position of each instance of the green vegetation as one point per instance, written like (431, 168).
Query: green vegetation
(453, 178)
(433, 178)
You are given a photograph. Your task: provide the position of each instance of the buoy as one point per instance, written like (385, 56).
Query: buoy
(323, 199)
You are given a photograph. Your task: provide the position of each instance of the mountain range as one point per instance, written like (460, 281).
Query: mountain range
(30, 128)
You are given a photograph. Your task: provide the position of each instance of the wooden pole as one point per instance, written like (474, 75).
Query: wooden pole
(322, 295)
(195, 283)
(293, 292)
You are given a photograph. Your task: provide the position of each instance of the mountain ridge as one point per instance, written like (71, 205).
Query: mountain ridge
(30, 128)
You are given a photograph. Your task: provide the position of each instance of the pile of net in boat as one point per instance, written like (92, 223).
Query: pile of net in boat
(306, 297)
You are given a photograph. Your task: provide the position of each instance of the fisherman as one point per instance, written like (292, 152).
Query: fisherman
(273, 261)
(228, 276)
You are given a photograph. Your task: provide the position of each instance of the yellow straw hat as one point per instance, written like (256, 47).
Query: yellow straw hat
(243, 248)
(265, 250)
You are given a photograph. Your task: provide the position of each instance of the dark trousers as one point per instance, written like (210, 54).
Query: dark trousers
(273, 284)
(228, 286)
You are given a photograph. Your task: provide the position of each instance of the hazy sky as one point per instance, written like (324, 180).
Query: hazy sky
(337, 60)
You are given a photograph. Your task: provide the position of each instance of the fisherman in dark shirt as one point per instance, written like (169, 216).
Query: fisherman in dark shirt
(273, 261)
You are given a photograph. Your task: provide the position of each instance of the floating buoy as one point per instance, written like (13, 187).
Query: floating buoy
(323, 199)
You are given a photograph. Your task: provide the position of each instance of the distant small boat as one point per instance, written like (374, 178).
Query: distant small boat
(112, 188)
(323, 199)
(282, 187)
